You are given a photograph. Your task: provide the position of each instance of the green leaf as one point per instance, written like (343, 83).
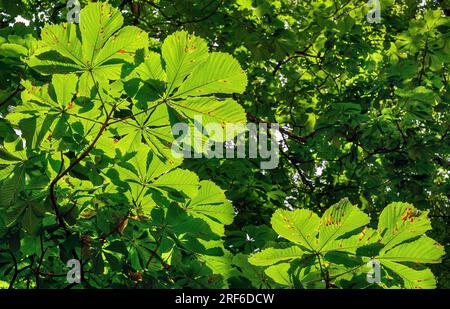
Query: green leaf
(220, 265)
(151, 180)
(228, 114)
(220, 73)
(366, 237)
(147, 82)
(412, 279)
(181, 223)
(5, 171)
(154, 128)
(13, 50)
(185, 182)
(339, 219)
(333, 250)
(280, 274)
(98, 22)
(30, 222)
(272, 256)
(182, 52)
(44, 116)
(151, 69)
(98, 46)
(211, 205)
(65, 88)
(7, 158)
(59, 52)
(10, 187)
(422, 250)
(299, 226)
(400, 222)
(255, 274)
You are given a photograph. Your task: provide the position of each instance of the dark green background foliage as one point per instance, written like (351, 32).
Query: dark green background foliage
(364, 110)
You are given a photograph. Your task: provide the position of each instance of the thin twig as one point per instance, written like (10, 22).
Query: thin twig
(16, 271)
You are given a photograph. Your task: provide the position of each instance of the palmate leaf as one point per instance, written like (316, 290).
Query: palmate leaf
(183, 231)
(31, 222)
(211, 110)
(147, 82)
(186, 79)
(29, 212)
(51, 97)
(340, 245)
(59, 51)
(150, 180)
(98, 45)
(151, 69)
(50, 111)
(203, 200)
(195, 225)
(152, 127)
(12, 171)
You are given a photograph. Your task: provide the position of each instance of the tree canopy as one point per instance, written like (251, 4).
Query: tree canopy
(87, 172)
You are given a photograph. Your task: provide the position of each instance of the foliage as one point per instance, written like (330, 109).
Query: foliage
(333, 250)
(86, 169)
(104, 158)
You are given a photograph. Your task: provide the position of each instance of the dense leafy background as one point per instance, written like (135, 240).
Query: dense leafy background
(365, 109)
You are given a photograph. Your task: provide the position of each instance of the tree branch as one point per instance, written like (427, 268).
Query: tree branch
(83, 155)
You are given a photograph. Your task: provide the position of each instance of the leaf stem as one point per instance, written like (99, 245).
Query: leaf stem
(325, 274)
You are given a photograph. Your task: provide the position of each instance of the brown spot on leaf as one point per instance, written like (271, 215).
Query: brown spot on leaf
(408, 214)
(136, 276)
